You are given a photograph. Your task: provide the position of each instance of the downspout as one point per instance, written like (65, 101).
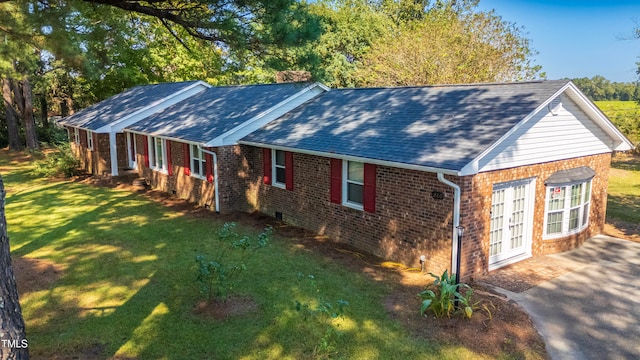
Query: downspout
(456, 221)
(215, 176)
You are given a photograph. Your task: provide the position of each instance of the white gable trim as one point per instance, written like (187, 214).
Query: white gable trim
(619, 141)
(231, 137)
(156, 106)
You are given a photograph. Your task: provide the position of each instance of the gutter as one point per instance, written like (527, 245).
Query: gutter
(215, 176)
(455, 266)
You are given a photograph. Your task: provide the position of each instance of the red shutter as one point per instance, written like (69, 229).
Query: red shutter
(336, 181)
(187, 159)
(266, 166)
(169, 162)
(146, 151)
(209, 165)
(369, 196)
(288, 170)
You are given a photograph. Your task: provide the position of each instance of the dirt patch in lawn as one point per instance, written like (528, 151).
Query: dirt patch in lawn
(34, 274)
(221, 309)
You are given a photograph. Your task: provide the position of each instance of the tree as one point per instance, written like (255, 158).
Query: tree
(449, 45)
(12, 330)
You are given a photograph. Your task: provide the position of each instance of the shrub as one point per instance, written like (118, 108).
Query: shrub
(60, 162)
(217, 276)
(444, 297)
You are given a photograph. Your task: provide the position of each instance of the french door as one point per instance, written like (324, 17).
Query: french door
(511, 221)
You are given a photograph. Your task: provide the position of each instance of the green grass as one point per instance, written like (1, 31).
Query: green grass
(625, 115)
(624, 189)
(127, 286)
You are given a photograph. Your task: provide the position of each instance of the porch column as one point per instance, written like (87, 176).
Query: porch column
(113, 150)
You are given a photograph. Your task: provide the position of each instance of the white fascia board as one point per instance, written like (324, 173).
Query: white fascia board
(119, 125)
(164, 137)
(231, 137)
(621, 143)
(354, 158)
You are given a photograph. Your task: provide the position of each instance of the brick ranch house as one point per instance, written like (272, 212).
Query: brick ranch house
(521, 167)
(96, 134)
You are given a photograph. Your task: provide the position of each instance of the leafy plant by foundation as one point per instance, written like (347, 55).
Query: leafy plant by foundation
(443, 297)
(218, 274)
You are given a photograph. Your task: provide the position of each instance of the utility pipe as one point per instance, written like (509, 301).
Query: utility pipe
(456, 245)
(215, 176)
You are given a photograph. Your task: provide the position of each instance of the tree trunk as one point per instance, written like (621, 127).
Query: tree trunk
(13, 342)
(44, 111)
(10, 115)
(27, 116)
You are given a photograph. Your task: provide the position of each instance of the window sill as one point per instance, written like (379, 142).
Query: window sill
(279, 185)
(353, 205)
(564, 235)
(196, 176)
(161, 171)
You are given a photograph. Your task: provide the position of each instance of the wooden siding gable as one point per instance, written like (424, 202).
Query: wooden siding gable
(565, 126)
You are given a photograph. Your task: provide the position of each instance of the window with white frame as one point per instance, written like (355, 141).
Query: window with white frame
(567, 208)
(76, 135)
(198, 162)
(156, 153)
(279, 168)
(90, 140)
(353, 184)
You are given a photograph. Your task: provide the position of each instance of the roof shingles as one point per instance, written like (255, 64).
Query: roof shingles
(443, 127)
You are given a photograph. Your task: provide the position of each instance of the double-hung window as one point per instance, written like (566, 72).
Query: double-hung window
(198, 162)
(353, 187)
(279, 168)
(76, 135)
(89, 140)
(156, 153)
(567, 208)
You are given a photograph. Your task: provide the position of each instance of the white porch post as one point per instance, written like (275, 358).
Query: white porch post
(113, 150)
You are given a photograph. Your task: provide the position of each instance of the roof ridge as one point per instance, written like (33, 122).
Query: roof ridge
(541, 81)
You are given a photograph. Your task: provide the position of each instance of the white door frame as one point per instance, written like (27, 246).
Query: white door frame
(131, 137)
(507, 224)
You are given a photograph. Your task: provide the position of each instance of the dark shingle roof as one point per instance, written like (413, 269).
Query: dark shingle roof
(444, 127)
(123, 104)
(215, 111)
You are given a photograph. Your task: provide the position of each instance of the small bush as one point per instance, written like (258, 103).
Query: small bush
(217, 275)
(444, 295)
(60, 162)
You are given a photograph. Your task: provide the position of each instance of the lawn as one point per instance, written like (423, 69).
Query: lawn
(121, 284)
(623, 205)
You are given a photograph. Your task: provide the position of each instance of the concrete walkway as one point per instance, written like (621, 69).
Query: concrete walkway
(592, 312)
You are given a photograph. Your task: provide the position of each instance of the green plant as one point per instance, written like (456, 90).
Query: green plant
(445, 298)
(217, 276)
(60, 162)
(322, 313)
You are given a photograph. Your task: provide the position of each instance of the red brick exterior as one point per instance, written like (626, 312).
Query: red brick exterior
(98, 160)
(407, 222)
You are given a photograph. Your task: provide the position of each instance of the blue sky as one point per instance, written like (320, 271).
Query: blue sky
(577, 38)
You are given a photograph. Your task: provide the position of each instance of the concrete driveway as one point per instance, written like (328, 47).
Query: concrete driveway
(593, 311)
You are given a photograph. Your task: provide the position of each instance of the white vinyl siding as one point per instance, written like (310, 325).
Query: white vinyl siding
(560, 131)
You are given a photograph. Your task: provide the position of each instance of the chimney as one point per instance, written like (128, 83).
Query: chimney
(292, 76)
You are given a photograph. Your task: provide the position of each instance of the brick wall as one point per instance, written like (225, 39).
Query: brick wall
(98, 160)
(195, 189)
(476, 207)
(408, 222)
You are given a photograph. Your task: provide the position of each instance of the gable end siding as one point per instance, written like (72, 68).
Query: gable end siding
(548, 137)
